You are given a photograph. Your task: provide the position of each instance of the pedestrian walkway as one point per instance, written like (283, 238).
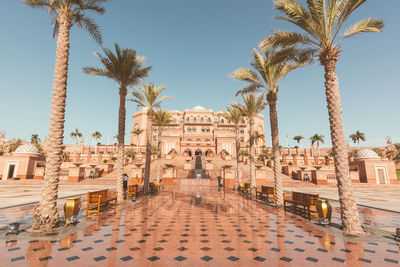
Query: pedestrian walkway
(201, 226)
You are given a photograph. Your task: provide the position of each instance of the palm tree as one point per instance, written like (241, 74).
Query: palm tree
(316, 138)
(130, 153)
(265, 154)
(96, 136)
(235, 116)
(394, 154)
(75, 135)
(35, 139)
(148, 96)
(65, 14)
(257, 137)
(267, 72)
(321, 23)
(126, 69)
(161, 119)
(14, 144)
(137, 132)
(356, 137)
(298, 138)
(253, 104)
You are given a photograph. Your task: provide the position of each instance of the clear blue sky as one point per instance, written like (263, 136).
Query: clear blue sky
(193, 45)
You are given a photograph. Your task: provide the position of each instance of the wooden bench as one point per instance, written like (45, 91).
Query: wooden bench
(302, 204)
(267, 193)
(133, 191)
(101, 200)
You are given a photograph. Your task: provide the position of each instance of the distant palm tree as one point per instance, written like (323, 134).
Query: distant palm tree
(75, 135)
(235, 116)
(96, 135)
(126, 69)
(161, 119)
(35, 139)
(148, 96)
(253, 104)
(356, 137)
(258, 136)
(265, 154)
(137, 132)
(14, 144)
(321, 23)
(395, 153)
(298, 138)
(316, 138)
(130, 153)
(268, 71)
(65, 14)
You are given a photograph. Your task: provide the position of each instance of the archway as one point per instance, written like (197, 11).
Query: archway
(209, 153)
(188, 152)
(198, 153)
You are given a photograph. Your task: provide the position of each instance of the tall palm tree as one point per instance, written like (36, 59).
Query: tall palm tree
(235, 116)
(356, 137)
(75, 135)
(161, 119)
(65, 14)
(35, 139)
(126, 69)
(268, 70)
(321, 23)
(148, 96)
(253, 104)
(137, 132)
(96, 136)
(316, 138)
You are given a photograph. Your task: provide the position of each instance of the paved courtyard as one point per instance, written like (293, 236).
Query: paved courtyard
(201, 226)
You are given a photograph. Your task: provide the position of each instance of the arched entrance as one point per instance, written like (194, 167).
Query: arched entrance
(209, 153)
(188, 152)
(198, 153)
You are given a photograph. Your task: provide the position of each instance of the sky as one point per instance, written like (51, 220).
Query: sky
(193, 45)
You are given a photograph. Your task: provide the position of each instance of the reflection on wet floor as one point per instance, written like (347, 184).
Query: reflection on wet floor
(200, 226)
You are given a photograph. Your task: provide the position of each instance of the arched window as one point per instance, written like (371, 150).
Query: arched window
(189, 129)
(208, 129)
(201, 120)
(208, 120)
(222, 121)
(241, 131)
(194, 129)
(195, 120)
(203, 129)
(187, 119)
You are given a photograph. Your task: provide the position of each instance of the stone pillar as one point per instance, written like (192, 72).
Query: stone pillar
(76, 174)
(305, 160)
(294, 159)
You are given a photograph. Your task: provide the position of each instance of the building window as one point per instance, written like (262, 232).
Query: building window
(208, 129)
(203, 129)
(241, 131)
(209, 120)
(194, 129)
(187, 119)
(201, 120)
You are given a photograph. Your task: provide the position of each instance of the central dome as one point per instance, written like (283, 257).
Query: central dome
(27, 149)
(198, 108)
(366, 154)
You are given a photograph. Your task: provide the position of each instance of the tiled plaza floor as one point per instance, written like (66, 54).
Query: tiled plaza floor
(200, 226)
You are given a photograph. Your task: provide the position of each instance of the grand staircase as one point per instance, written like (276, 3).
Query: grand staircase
(198, 171)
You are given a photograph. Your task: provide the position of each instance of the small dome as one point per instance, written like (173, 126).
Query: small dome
(366, 154)
(27, 149)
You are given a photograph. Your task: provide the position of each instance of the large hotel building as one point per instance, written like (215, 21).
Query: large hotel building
(197, 131)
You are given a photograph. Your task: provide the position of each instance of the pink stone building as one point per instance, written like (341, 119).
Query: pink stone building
(196, 131)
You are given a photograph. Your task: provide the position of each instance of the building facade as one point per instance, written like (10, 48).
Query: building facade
(196, 131)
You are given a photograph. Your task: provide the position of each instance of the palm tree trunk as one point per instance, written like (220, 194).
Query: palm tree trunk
(237, 158)
(159, 155)
(273, 119)
(348, 206)
(45, 213)
(121, 144)
(253, 184)
(148, 151)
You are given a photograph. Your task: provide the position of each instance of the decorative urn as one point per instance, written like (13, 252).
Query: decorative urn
(324, 210)
(71, 209)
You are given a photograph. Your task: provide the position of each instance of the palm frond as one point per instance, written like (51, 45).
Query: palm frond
(366, 25)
